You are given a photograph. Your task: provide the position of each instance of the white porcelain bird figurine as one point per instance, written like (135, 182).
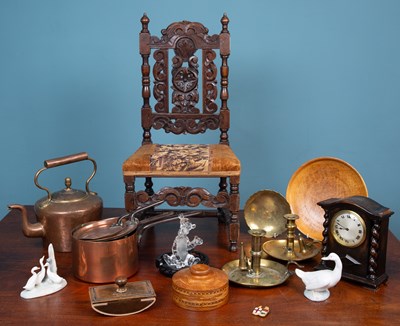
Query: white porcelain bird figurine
(318, 282)
(46, 281)
(31, 283)
(52, 259)
(53, 276)
(42, 272)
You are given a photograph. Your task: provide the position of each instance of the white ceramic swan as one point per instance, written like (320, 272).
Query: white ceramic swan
(31, 283)
(53, 277)
(42, 272)
(318, 282)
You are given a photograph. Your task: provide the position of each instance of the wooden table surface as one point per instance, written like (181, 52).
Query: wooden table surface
(349, 303)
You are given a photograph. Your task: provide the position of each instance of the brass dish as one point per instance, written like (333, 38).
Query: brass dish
(271, 274)
(316, 180)
(279, 249)
(264, 210)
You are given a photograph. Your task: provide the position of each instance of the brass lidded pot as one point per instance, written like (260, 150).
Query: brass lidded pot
(60, 212)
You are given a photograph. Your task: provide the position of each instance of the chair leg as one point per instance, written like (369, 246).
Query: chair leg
(149, 186)
(222, 184)
(234, 225)
(130, 194)
(223, 215)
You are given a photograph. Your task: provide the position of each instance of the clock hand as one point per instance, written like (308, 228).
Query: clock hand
(343, 228)
(353, 260)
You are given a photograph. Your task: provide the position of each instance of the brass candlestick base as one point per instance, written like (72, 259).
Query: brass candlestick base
(255, 272)
(291, 249)
(271, 274)
(278, 250)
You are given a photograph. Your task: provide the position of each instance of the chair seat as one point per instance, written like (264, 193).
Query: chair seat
(182, 160)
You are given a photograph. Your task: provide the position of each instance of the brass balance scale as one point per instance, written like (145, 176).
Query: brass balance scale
(268, 214)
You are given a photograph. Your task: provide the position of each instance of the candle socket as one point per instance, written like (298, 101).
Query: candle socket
(256, 236)
(291, 228)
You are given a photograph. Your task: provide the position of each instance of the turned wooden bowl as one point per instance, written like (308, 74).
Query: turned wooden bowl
(316, 180)
(200, 288)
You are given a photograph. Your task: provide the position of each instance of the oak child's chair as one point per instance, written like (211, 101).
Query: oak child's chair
(184, 70)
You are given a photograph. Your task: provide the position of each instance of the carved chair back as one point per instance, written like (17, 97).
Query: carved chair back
(186, 82)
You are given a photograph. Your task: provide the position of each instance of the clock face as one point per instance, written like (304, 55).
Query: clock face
(348, 228)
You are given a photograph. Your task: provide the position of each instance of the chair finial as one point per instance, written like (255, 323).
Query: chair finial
(225, 22)
(145, 23)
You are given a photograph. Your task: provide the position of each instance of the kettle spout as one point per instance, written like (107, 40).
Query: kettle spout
(30, 230)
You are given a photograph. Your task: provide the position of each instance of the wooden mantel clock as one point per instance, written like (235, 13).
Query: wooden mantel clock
(356, 228)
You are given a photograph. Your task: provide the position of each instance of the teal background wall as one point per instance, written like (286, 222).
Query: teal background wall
(308, 78)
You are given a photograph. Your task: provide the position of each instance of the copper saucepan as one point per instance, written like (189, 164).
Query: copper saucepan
(101, 260)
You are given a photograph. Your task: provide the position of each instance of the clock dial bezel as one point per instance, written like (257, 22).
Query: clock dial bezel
(341, 240)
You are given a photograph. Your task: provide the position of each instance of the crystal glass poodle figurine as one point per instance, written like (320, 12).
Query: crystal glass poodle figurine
(180, 256)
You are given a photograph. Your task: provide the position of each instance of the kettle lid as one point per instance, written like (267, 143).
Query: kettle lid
(68, 194)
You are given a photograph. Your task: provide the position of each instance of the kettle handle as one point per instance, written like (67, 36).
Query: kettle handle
(63, 161)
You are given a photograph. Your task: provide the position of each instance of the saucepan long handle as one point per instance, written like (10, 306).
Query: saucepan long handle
(136, 211)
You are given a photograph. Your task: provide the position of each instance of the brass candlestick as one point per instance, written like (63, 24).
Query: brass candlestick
(256, 251)
(290, 227)
(291, 249)
(255, 271)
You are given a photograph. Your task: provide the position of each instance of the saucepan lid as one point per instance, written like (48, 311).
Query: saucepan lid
(115, 228)
(106, 231)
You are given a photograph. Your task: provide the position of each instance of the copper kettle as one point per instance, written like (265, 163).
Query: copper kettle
(60, 212)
